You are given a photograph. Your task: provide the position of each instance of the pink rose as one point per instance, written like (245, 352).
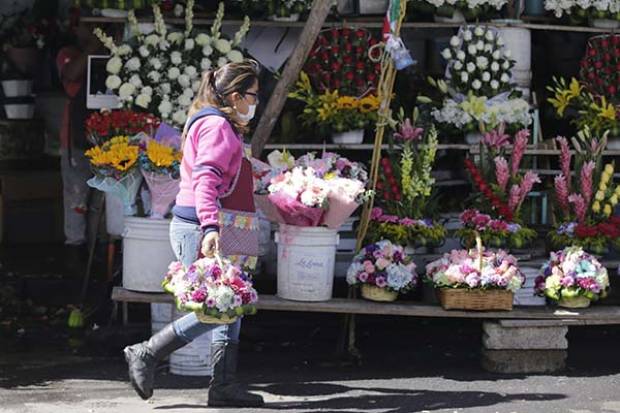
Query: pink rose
(369, 267)
(382, 263)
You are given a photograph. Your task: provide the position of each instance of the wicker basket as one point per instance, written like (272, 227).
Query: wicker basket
(575, 302)
(225, 319)
(476, 300)
(370, 292)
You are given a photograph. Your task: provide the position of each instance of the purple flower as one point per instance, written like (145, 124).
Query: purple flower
(407, 132)
(567, 281)
(210, 302)
(472, 280)
(513, 228)
(363, 277)
(376, 213)
(237, 301)
(381, 282)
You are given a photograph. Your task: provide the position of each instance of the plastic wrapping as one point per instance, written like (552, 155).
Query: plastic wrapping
(125, 188)
(164, 190)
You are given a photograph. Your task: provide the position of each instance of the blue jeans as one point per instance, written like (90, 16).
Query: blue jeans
(186, 239)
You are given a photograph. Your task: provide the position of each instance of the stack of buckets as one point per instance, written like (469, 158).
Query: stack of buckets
(519, 42)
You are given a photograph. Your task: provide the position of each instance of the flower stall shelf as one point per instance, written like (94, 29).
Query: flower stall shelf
(459, 11)
(572, 278)
(475, 279)
(382, 270)
(600, 14)
(16, 87)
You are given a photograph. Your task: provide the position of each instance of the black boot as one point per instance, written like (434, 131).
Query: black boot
(142, 359)
(224, 390)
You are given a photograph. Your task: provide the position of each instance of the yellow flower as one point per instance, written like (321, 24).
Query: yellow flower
(609, 169)
(574, 90)
(617, 191)
(347, 102)
(605, 110)
(474, 106)
(607, 210)
(560, 102)
(162, 156)
(613, 200)
(117, 153)
(600, 195)
(329, 176)
(369, 103)
(596, 207)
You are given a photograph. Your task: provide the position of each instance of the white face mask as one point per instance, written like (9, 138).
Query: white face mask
(246, 117)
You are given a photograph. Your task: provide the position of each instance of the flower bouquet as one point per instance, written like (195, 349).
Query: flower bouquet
(115, 164)
(160, 165)
(160, 73)
(475, 279)
(572, 278)
(601, 13)
(478, 93)
(458, 11)
(584, 217)
(101, 126)
(216, 290)
(383, 270)
(277, 10)
(501, 190)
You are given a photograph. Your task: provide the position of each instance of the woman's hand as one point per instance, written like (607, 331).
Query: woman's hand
(210, 244)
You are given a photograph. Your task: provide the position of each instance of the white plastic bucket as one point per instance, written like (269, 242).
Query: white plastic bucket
(161, 315)
(306, 261)
(350, 137)
(19, 111)
(146, 253)
(16, 88)
(519, 42)
(522, 78)
(114, 215)
(194, 359)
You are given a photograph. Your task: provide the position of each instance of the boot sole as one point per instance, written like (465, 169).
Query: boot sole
(142, 395)
(221, 403)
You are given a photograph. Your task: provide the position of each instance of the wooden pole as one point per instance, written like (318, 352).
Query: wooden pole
(318, 14)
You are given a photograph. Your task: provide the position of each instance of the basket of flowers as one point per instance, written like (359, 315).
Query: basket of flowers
(215, 289)
(572, 278)
(475, 279)
(383, 270)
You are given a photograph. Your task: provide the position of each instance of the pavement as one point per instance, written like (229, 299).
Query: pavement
(408, 365)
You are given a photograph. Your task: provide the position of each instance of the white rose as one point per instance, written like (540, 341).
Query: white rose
(464, 77)
(176, 58)
(223, 46)
(482, 62)
(133, 64)
(151, 40)
(486, 76)
(471, 49)
(506, 65)
(454, 41)
(164, 45)
(207, 50)
(497, 55)
(505, 78)
(136, 81)
(184, 80)
(154, 76)
(488, 47)
(476, 84)
(471, 68)
(205, 64)
(165, 88)
(479, 31)
(490, 36)
(144, 51)
(458, 65)
(114, 65)
(480, 45)
(155, 63)
(461, 55)
(178, 10)
(143, 101)
(494, 84)
(221, 61)
(189, 44)
(195, 85)
(202, 39)
(235, 56)
(165, 107)
(188, 92)
(191, 71)
(126, 91)
(467, 35)
(507, 53)
(113, 82)
(147, 90)
(500, 41)
(184, 100)
(175, 37)
(173, 73)
(179, 116)
(446, 54)
(494, 67)
(124, 50)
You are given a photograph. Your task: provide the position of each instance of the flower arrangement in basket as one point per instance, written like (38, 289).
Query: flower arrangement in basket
(101, 126)
(115, 165)
(160, 73)
(458, 11)
(478, 93)
(572, 278)
(383, 270)
(475, 279)
(215, 289)
(585, 200)
(581, 10)
(500, 191)
(406, 203)
(160, 164)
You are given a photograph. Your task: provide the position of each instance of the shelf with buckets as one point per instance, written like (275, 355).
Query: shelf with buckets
(18, 98)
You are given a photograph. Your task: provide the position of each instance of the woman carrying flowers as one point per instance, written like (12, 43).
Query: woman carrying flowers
(214, 205)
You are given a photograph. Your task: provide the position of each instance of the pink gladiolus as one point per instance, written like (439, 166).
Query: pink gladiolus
(579, 206)
(561, 194)
(586, 181)
(407, 132)
(496, 139)
(518, 150)
(527, 184)
(565, 158)
(501, 172)
(513, 197)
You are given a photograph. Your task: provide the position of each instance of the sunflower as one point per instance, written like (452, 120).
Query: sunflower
(162, 156)
(369, 103)
(347, 102)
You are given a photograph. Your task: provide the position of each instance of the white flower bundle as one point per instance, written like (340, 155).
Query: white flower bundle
(467, 4)
(598, 8)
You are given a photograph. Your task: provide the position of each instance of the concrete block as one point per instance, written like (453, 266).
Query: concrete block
(523, 361)
(497, 337)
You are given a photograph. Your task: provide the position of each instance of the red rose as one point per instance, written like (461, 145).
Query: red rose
(335, 33)
(348, 47)
(360, 51)
(360, 33)
(371, 77)
(336, 66)
(335, 50)
(598, 64)
(346, 32)
(337, 83)
(611, 90)
(378, 67)
(360, 66)
(607, 57)
(604, 43)
(325, 56)
(360, 83)
(584, 231)
(592, 52)
(397, 197)
(323, 41)
(347, 60)
(349, 76)
(615, 40)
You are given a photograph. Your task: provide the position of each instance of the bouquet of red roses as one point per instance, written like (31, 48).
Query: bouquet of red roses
(101, 126)
(600, 66)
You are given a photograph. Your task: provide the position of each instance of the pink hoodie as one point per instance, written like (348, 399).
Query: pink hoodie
(211, 159)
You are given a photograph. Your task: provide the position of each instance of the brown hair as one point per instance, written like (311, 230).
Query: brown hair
(217, 85)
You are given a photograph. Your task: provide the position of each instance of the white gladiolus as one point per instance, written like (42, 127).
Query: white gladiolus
(446, 54)
(480, 45)
(155, 63)
(133, 64)
(205, 64)
(136, 81)
(235, 56)
(490, 36)
(486, 76)
(203, 39)
(221, 61)
(154, 76)
(476, 84)
(494, 84)
(471, 68)
(454, 41)
(165, 88)
(114, 65)
(189, 44)
(147, 90)
(464, 77)
(461, 55)
(505, 78)
(207, 50)
(124, 50)
(494, 67)
(113, 82)
(126, 91)
(173, 73)
(479, 31)
(471, 49)
(178, 10)
(184, 80)
(467, 35)
(191, 71)
(176, 58)
(165, 107)
(179, 116)
(223, 46)
(143, 101)
(458, 65)
(144, 51)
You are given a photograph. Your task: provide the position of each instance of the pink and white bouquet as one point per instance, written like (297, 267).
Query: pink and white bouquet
(383, 265)
(472, 270)
(572, 274)
(211, 287)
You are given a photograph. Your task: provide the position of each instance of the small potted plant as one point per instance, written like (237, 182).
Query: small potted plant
(572, 278)
(383, 270)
